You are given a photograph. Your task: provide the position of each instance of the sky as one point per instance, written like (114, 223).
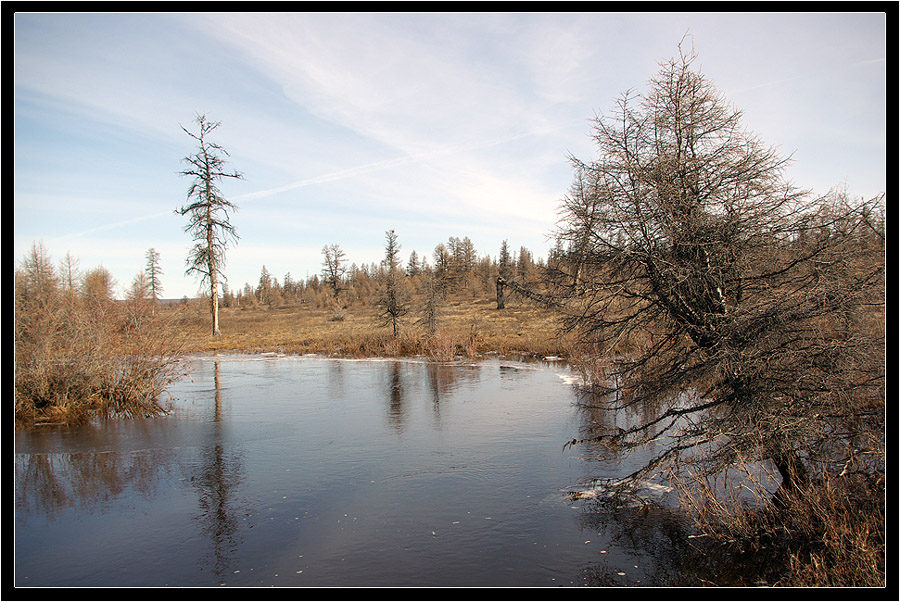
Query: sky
(431, 124)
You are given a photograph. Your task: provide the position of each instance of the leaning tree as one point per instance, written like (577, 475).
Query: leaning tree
(208, 211)
(744, 317)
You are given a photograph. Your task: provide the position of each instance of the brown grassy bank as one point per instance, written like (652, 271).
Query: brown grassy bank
(467, 326)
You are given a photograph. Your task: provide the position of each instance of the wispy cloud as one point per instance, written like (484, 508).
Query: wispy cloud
(387, 83)
(114, 225)
(433, 123)
(352, 172)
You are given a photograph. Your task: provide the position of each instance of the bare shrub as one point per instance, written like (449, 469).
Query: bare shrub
(82, 356)
(441, 346)
(338, 313)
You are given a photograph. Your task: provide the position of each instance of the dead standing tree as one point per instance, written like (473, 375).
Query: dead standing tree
(749, 318)
(208, 212)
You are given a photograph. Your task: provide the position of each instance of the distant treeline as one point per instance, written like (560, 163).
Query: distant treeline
(456, 267)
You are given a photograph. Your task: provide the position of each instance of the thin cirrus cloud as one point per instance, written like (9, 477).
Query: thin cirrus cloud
(383, 84)
(436, 124)
(458, 123)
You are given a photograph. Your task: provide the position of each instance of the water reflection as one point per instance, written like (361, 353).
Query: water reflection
(606, 413)
(472, 495)
(336, 377)
(216, 477)
(405, 379)
(47, 483)
(395, 397)
(441, 379)
(655, 541)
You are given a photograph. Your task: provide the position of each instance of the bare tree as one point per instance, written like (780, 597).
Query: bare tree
(68, 270)
(152, 271)
(208, 211)
(413, 267)
(265, 288)
(140, 288)
(505, 266)
(443, 265)
(745, 318)
(334, 267)
(393, 301)
(433, 302)
(40, 282)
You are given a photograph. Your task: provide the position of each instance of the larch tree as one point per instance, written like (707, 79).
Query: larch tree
(69, 273)
(393, 301)
(98, 286)
(265, 288)
(152, 271)
(208, 211)
(505, 266)
(334, 267)
(743, 317)
(413, 267)
(433, 302)
(140, 288)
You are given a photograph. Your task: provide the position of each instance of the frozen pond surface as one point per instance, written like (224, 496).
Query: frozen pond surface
(307, 471)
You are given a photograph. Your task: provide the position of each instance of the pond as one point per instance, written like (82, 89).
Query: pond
(307, 471)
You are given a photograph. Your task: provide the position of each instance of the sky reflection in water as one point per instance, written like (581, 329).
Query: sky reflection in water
(305, 471)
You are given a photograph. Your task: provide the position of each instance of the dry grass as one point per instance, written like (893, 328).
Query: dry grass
(830, 533)
(466, 327)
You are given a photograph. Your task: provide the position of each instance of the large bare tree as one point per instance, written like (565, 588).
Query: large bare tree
(208, 211)
(744, 317)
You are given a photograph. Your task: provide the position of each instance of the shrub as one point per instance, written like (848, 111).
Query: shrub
(79, 356)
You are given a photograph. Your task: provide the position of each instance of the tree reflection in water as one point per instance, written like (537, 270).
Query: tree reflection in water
(440, 378)
(216, 476)
(48, 483)
(395, 397)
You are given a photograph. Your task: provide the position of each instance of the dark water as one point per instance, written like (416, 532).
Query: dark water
(305, 471)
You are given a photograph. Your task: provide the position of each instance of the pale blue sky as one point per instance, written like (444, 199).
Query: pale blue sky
(432, 124)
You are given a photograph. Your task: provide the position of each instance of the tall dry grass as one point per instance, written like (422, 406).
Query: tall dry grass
(828, 533)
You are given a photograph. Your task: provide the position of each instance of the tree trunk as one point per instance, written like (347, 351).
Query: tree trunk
(793, 476)
(213, 274)
(791, 469)
(214, 303)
